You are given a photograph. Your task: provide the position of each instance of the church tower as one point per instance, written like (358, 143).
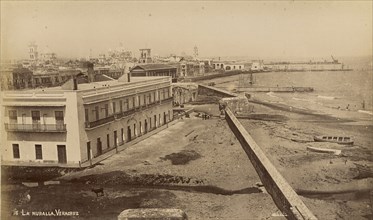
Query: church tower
(33, 52)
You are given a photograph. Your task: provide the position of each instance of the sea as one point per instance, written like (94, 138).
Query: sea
(351, 90)
(345, 90)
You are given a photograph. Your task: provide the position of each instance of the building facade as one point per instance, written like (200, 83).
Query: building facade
(56, 127)
(155, 70)
(49, 78)
(184, 92)
(227, 66)
(192, 68)
(257, 66)
(16, 78)
(110, 72)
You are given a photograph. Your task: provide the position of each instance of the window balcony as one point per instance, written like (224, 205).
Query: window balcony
(168, 99)
(35, 127)
(92, 124)
(124, 114)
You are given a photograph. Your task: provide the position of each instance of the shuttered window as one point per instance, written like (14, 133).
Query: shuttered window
(38, 152)
(13, 116)
(35, 115)
(114, 107)
(16, 151)
(59, 116)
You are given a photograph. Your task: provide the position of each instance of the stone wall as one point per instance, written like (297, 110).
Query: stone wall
(212, 91)
(282, 193)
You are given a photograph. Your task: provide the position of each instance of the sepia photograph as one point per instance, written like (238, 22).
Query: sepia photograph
(176, 110)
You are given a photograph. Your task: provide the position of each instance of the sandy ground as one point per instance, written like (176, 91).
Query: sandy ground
(195, 165)
(327, 181)
(329, 184)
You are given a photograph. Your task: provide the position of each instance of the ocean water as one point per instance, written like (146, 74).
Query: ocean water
(335, 89)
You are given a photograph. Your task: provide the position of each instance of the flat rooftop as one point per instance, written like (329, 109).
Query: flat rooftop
(102, 84)
(111, 83)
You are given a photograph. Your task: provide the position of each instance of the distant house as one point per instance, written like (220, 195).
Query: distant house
(49, 78)
(110, 72)
(155, 69)
(15, 78)
(184, 92)
(192, 68)
(257, 65)
(227, 65)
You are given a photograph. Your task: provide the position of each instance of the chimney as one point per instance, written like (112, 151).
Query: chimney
(124, 78)
(75, 83)
(71, 84)
(90, 72)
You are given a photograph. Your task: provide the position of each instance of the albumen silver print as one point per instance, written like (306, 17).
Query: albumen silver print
(186, 110)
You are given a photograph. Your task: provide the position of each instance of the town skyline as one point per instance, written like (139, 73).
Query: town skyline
(250, 29)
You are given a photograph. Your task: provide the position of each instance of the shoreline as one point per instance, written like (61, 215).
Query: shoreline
(317, 177)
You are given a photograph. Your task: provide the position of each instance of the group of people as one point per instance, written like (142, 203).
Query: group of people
(205, 116)
(348, 106)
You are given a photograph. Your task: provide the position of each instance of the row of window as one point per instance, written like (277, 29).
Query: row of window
(35, 115)
(228, 67)
(16, 80)
(38, 152)
(61, 153)
(57, 79)
(131, 132)
(127, 104)
(37, 81)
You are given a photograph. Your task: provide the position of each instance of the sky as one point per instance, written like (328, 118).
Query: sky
(74, 29)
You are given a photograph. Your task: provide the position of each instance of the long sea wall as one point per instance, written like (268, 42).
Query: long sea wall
(276, 89)
(282, 193)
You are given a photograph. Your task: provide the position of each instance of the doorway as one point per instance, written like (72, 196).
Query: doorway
(62, 158)
(129, 133)
(116, 139)
(89, 150)
(99, 146)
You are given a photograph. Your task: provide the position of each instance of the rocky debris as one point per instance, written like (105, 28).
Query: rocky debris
(153, 213)
(14, 174)
(363, 170)
(24, 197)
(122, 178)
(183, 157)
(145, 162)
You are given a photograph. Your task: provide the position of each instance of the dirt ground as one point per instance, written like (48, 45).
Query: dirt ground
(198, 166)
(195, 165)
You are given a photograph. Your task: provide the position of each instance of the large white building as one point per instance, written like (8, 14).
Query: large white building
(226, 65)
(64, 126)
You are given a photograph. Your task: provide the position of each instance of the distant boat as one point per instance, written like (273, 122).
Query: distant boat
(335, 139)
(324, 150)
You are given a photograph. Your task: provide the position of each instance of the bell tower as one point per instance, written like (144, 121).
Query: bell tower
(33, 52)
(195, 52)
(145, 56)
